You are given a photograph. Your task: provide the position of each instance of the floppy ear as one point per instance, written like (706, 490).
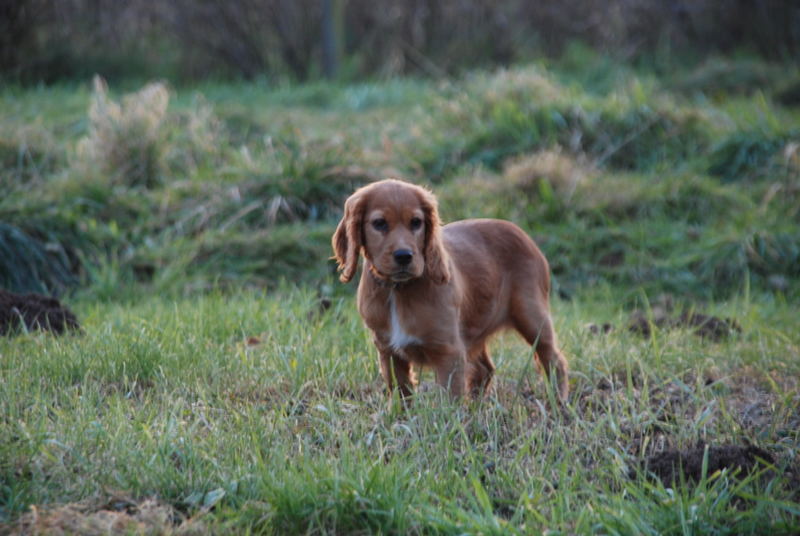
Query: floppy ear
(346, 240)
(436, 260)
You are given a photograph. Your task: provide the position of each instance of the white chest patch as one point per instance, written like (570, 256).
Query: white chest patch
(399, 338)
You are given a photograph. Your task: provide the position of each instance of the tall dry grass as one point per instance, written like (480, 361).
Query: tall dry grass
(125, 141)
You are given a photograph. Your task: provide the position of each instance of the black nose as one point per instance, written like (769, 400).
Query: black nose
(403, 257)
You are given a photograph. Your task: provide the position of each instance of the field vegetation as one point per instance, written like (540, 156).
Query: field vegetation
(222, 381)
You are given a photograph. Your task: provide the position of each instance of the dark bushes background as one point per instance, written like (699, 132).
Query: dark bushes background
(49, 40)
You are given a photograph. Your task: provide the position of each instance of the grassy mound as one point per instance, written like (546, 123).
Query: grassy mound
(646, 183)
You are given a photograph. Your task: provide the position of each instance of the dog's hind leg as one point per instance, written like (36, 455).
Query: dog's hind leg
(535, 325)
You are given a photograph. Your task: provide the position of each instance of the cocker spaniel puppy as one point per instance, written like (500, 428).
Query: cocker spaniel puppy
(432, 295)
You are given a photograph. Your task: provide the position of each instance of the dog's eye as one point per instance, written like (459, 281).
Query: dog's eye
(379, 224)
(416, 223)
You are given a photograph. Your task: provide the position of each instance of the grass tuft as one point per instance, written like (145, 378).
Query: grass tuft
(125, 140)
(31, 265)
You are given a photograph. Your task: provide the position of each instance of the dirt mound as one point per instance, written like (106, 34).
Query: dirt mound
(661, 316)
(116, 516)
(36, 312)
(672, 466)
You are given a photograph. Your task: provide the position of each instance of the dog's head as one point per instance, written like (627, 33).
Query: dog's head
(396, 226)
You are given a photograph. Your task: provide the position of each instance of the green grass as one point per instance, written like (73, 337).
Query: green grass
(294, 434)
(180, 236)
(698, 196)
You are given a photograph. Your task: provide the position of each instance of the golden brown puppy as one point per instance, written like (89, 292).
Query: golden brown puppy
(432, 295)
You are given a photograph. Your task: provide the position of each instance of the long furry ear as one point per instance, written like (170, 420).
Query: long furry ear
(436, 259)
(346, 239)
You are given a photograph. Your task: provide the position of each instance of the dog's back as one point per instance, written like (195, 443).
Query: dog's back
(499, 267)
(494, 249)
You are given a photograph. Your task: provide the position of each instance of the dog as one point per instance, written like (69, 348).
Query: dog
(433, 295)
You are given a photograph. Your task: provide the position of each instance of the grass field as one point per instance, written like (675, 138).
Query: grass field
(177, 402)
(208, 391)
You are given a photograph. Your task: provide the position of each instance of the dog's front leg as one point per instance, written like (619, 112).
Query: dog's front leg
(450, 366)
(397, 371)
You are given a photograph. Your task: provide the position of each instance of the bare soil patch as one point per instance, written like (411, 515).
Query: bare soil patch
(703, 325)
(675, 466)
(34, 312)
(662, 315)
